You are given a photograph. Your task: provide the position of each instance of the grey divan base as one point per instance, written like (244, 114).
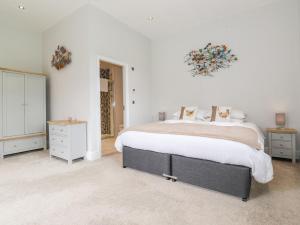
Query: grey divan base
(230, 179)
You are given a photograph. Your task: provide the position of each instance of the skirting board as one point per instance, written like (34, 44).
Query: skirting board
(92, 155)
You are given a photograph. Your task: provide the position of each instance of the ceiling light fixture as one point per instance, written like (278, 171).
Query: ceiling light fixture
(22, 7)
(150, 19)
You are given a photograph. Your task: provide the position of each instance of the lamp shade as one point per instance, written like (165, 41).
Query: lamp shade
(280, 119)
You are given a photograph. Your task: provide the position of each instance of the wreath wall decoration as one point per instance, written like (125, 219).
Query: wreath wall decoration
(210, 59)
(61, 58)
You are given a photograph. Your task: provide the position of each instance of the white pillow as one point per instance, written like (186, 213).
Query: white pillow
(238, 114)
(203, 114)
(176, 115)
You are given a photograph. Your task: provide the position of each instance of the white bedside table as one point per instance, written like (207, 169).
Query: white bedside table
(67, 139)
(282, 143)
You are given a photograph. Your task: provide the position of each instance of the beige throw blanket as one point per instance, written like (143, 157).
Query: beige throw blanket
(243, 135)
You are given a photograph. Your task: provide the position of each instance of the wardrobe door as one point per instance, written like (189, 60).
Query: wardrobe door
(13, 104)
(35, 104)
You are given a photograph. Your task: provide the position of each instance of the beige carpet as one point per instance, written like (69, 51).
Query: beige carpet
(37, 190)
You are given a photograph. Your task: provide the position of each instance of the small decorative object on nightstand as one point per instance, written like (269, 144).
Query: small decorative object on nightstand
(67, 139)
(282, 143)
(162, 116)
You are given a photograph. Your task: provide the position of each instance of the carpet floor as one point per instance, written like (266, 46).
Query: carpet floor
(35, 190)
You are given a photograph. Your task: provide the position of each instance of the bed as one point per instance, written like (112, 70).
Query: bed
(218, 163)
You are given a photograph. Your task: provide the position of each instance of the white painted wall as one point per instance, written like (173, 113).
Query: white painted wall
(110, 38)
(20, 49)
(265, 80)
(68, 88)
(74, 91)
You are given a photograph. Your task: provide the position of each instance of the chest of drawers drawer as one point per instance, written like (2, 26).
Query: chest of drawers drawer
(59, 130)
(281, 144)
(56, 140)
(60, 152)
(282, 153)
(16, 146)
(282, 137)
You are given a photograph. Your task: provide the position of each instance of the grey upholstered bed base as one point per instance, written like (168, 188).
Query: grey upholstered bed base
(230, 179)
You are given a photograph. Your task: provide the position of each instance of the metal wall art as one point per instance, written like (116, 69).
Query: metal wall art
(210, 59)
(61, 58)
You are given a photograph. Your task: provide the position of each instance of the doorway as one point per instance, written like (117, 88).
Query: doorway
(111, 104)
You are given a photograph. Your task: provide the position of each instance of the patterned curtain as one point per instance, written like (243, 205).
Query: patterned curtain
(105, 105)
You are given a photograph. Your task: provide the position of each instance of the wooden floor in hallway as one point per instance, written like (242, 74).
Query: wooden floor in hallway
(108, 146)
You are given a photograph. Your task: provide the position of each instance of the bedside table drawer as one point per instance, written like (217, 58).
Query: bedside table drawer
(59, 152)
(282, 137)
(282, 153)
(59, 141)
(59, 130)
(282, 144)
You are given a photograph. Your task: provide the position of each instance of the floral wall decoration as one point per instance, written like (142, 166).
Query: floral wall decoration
(61, 58)
(210, 59)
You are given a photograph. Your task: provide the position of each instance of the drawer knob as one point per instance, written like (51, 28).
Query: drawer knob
(281, 145)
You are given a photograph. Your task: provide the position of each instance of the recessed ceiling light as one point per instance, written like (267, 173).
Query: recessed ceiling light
(150, 19)
(22, 7)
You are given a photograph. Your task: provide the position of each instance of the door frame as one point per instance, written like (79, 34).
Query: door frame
(125, 70)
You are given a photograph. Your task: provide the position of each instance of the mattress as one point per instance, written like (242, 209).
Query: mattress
(218, 150)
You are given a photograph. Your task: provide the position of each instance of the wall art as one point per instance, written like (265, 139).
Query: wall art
(210, 59)
(61, 58)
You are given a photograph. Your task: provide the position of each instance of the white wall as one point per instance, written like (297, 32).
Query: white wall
(20, 49)
(110, 38)
(68, 93)
(74, 91)
(265, 80)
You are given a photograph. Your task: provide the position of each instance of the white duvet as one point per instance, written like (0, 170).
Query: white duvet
(218, 150)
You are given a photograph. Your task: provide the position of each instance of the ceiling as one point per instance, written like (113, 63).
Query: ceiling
(170, 16)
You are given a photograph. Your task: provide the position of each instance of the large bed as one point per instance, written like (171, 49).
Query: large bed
(217, 163)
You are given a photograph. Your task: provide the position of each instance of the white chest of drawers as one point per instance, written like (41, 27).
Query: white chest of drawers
(282, 143)
(67, 139)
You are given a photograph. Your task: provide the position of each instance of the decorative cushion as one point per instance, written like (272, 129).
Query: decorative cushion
(188, 113)
(220, 113)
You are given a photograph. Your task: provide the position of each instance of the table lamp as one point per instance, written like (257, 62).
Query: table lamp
(280, 120)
